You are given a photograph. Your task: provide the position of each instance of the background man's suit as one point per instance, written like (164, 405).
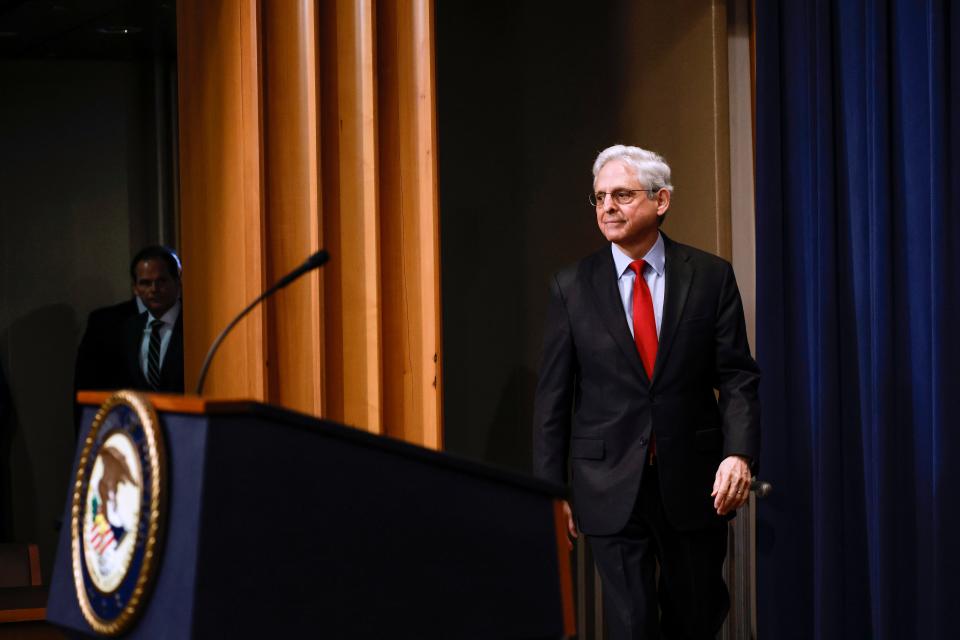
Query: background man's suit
(109, 353)
(596, 406)
(101, 352)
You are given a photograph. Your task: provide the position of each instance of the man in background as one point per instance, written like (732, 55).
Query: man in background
(638, 338)
(138, 344)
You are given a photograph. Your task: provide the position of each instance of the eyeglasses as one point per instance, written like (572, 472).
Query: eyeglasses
(621, 196)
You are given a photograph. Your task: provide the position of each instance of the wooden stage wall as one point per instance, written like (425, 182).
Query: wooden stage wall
(307, 124)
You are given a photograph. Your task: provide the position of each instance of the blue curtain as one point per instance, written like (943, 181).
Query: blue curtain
(858, 318)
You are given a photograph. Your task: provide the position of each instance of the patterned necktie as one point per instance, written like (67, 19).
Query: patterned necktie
(644, 322)
(153, 355)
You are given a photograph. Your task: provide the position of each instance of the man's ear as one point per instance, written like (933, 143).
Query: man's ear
(663, 201)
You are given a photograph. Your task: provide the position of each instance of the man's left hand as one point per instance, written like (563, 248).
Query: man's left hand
(731, 488)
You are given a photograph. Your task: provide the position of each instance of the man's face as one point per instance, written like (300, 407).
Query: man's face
(155, 286)
(630, 226)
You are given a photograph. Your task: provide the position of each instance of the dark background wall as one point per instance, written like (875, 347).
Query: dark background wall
(87, 177)
(78, 195)
(527, 96)
(522, 112)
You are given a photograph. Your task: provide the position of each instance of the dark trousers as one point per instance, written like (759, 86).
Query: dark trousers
(691, 596)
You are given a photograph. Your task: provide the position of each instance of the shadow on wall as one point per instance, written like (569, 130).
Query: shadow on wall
(38, 349)
(6, 413)
(509, 439)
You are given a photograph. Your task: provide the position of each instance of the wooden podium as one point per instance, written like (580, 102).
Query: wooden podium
(281, 525)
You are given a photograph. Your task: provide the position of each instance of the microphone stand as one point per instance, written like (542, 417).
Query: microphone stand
(316, 260)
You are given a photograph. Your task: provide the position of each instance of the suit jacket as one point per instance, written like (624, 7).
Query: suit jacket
(100, 359)
(596, 407)
(171, 371)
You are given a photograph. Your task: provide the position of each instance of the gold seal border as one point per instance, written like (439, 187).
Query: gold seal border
(157, 456)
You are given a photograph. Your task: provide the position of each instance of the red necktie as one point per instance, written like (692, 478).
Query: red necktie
(644, 329)
(644, 323)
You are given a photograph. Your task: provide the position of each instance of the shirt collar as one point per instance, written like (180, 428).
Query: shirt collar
(656, 257)
(170, 317)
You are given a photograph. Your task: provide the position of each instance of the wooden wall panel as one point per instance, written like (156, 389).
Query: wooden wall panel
(408, 204)
(351, 214)
(296, 126)
(221, 190)
(292, 213)
(333, 321)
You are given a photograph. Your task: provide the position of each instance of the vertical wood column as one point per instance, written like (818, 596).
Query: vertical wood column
(292, 214)
(310, 123)
(351, 217)
(221, 190)
(409, 236)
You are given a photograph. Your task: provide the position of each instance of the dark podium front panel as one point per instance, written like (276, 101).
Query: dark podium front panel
(281, 525)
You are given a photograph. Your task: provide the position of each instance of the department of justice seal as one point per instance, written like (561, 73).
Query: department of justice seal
(118, 507)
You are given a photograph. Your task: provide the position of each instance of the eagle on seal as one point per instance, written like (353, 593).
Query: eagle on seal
(115, 471)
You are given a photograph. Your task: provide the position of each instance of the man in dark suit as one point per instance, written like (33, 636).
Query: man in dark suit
(100, 355)
(638, 338)
(138, 344)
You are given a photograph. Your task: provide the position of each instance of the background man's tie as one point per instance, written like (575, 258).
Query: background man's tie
(153, 356)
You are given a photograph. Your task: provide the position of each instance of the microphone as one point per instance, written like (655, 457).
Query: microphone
(316, 260)
(760, 488)
(313, 262)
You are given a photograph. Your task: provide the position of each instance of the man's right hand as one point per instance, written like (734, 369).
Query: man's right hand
(571, 527)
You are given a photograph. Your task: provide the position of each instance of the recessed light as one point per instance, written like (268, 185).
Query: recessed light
(119, 30)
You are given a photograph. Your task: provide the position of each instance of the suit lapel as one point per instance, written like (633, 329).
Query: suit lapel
(173, 357)
(603, 284)
(679, 273)
(132, 341)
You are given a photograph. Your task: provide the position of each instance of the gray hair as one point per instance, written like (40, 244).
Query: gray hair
(651, 169)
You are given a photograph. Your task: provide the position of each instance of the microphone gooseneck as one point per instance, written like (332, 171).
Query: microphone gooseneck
(316, 260)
